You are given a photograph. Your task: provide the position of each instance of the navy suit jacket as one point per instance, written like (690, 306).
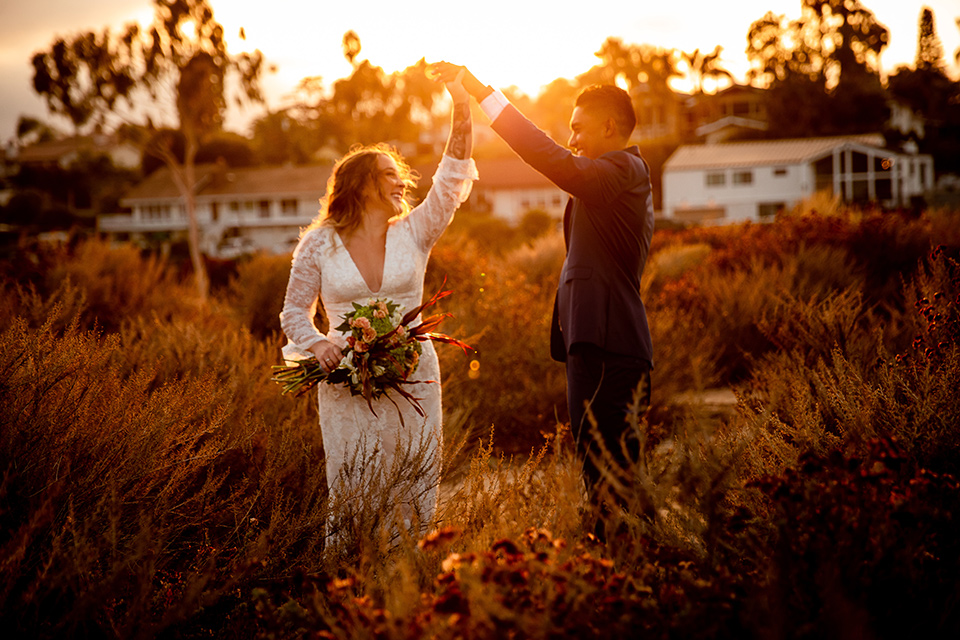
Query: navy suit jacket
(607, 229)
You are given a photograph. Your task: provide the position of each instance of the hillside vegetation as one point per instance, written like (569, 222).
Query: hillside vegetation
(155, 483)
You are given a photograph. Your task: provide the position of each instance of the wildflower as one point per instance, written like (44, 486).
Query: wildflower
(438, 538)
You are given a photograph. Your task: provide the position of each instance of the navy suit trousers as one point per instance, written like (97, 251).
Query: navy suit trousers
(606, 383)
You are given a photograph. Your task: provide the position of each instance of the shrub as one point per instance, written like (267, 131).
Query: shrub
(156, 483)
(864, 545)
(255, 294)
(502, 307)
(128, 504)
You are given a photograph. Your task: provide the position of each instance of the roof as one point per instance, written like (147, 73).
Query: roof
(311, 180)
(762, 152)
(509, 173)
(217, 180)
(731, 121)
(50, 151)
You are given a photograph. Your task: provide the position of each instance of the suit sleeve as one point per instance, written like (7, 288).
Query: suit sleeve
(595, 181)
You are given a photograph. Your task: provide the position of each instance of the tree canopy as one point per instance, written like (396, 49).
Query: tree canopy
(822, 69)
(174, 71)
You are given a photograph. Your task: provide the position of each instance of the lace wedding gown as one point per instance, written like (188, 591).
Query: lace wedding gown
(358, 445)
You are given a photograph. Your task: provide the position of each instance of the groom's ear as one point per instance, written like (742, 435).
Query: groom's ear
(610, 129)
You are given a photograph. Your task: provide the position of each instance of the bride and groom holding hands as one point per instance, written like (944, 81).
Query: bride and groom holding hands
(369, 243)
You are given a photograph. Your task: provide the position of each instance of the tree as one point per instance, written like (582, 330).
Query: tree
(367, 106)
(929, 49)
(180, 64)
(929, 92)
(823, 69)
(553, 107)
(701, 67)
(632, 66)
(372, 106)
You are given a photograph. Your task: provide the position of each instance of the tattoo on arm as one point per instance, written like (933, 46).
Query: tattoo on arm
(460, 143)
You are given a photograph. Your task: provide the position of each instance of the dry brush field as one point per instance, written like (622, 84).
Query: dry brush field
(156, 484)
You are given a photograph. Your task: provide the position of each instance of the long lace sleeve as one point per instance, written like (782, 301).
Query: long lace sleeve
(300, 301)
(451, 187)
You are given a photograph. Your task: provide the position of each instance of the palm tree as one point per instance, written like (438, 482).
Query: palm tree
(702, 66)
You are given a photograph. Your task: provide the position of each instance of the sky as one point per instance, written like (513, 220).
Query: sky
(505, 43)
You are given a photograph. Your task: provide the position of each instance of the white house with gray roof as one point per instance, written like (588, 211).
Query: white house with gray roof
(752, 180)
(241, 210)
(238, 209)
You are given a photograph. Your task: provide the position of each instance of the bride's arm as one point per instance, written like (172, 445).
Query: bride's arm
(300, 303)
(454, 177)
(460, 142)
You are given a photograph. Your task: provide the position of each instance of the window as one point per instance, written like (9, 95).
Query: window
(780, 172)
(288, 207)
(884, 189)
(743, 177)
(859, 162)
(716, 179)
(264, 208)
(235, 207)
(768, 210)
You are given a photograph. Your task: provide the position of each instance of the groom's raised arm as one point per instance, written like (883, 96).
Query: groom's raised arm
(591, 180)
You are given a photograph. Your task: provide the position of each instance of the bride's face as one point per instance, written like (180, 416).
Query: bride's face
(388, 186)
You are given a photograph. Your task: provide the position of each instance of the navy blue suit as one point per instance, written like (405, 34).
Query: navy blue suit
(599, 323)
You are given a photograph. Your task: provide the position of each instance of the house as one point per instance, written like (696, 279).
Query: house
(734, 181)
(64, 152)
(509, 187)
(660, 115)
(243, 210)
(237, 209)
(735, 111)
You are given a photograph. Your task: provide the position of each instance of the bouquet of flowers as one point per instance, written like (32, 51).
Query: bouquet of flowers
(382, 352)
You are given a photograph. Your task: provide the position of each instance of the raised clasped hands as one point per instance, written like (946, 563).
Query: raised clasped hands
(452, 77)
(450, 73)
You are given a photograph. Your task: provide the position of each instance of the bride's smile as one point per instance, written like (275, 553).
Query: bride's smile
(391, 185)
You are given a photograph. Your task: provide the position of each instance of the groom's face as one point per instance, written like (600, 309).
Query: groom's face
(589, 133)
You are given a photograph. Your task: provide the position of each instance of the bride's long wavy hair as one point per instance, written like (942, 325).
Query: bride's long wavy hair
(342, 206)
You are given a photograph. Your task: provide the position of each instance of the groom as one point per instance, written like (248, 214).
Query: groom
(599, 326)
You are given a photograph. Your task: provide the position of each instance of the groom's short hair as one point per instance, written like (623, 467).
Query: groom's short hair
(612, 101)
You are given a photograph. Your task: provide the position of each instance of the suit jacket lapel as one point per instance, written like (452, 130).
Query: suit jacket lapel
(567, 222)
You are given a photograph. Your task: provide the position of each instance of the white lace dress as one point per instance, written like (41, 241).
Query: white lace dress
(357, 443)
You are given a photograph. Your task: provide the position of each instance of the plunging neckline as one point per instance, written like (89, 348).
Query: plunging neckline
(356, 267)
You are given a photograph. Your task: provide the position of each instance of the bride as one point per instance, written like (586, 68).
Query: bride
(367, 243)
